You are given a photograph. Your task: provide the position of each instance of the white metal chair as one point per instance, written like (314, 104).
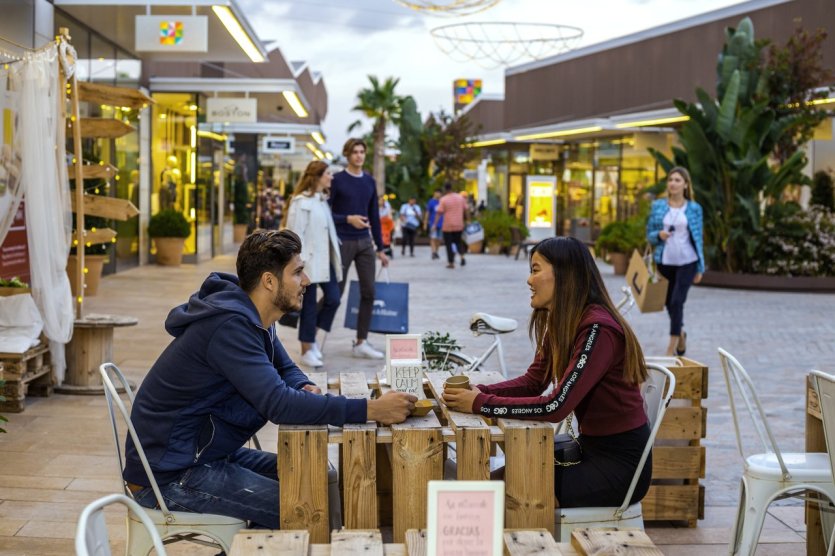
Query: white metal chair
(177, 526)
(91, 538)
(825, 386)
(657, 392)
(772, 474)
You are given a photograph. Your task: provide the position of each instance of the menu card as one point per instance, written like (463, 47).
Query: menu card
(465, 518)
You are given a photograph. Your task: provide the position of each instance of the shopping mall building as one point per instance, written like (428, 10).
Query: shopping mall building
(570, 135)
(223, 108)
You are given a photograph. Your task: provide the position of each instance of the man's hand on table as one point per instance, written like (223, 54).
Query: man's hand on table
(391, 407)
(312, 388)
(461, 399)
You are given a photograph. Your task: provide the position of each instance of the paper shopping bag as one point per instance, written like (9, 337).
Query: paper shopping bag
(390, 314)
(648, 287)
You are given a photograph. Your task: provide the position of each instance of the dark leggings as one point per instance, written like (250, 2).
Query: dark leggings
(451, 238)
(607, 466)
(680, 278)
(409, 239)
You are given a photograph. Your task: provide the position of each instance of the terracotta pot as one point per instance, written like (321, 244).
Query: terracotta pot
(620, 261)
(475, 248)
(494, 248)
(94, 264)
(239, 233)
(169, 250)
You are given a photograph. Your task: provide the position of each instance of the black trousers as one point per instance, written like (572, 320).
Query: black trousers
(680, 278)
(408, 239)
(451, 238)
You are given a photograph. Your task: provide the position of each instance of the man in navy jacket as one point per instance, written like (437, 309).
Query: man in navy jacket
(222, 378)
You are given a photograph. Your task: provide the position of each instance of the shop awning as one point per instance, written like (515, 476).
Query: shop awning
(230, 36)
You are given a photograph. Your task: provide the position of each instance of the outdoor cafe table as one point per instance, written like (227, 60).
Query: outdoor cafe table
(400, 460)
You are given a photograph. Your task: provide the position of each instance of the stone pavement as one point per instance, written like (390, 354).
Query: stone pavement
(58, 455)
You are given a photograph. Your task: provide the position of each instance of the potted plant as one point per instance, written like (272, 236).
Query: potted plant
(13, 286)
(169, 230)
(498, 230)
(618, 240)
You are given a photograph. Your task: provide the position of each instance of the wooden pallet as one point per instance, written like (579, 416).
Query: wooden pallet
(678, 458)
(26, 374)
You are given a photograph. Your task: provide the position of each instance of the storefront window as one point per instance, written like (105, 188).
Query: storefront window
(606, 180)
(497, 179)
(638, 170)
(174, 157)
(575, 191)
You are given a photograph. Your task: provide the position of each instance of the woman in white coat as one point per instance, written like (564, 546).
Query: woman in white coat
(310, 217)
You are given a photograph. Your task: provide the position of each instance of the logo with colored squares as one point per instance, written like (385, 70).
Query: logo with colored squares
(466, 91)
(170, 33)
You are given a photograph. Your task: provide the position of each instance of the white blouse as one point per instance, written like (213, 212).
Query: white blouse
(678, 249)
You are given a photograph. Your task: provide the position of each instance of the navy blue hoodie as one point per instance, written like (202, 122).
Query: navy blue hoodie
(217, 383)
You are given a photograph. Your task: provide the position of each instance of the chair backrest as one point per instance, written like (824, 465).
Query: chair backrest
(825, 386)
(111, 393)
(657, 392)
(740, 384)
(91, 538)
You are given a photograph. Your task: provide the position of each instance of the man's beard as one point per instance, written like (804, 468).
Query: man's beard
(285, 302)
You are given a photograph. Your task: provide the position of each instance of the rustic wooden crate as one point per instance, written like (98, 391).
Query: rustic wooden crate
(678, 458)
(18, 365)
(26, 374)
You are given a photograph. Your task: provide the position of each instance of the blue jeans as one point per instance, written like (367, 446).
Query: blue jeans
(312, 316)
(680, 278)
(243, 485)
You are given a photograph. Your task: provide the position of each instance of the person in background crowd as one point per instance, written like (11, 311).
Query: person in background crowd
(675, 229)
(309, 216)
(410, 217)
(453, 208)
(353, 203)
(587, 350)
(386, 225)
(221, 379)
(433, 230)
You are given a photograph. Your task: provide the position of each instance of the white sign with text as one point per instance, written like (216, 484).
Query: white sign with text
(231, 110)
(465, 518)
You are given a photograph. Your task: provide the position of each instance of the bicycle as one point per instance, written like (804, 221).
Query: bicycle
(445, 355)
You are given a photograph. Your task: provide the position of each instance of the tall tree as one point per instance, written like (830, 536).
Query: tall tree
(407, 173)
(382, 105)
(445, 139)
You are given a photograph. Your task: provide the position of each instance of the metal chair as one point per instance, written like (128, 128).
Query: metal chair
(770, 475)
(178, 526)
(825, 385)
(657, 392)
(91, 538)
(519, 242)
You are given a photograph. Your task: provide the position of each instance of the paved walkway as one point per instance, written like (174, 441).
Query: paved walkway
(57, 455)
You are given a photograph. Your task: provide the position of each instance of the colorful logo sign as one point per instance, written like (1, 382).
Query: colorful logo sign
(465, 91)
(170, 32)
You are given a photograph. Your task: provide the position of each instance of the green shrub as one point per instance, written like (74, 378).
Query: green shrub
(796, 242)
(497, 226)
(169, 223)
(622, 236)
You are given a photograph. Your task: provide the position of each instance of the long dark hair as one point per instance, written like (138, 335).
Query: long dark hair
(306, 185)
(578, 284)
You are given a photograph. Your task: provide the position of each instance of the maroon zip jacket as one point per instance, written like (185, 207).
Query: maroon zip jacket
(592, 386)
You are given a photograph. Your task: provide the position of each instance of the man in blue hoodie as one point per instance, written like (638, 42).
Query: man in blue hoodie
(222, 378)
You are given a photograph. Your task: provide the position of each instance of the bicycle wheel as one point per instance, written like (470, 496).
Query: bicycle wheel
(453, 362)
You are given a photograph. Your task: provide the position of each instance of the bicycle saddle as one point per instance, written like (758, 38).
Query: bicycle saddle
(482, 323)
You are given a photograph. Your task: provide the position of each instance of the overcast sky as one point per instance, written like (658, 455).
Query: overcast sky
(347, 40)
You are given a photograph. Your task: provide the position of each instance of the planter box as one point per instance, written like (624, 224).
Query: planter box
(4, 292)
(808, 284)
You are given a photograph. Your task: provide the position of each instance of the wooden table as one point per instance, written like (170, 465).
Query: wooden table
(385, 470)
(815, 442)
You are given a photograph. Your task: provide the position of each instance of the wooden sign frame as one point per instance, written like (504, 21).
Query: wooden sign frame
(441, 527)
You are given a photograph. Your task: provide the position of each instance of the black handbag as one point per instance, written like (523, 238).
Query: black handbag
(567, 450)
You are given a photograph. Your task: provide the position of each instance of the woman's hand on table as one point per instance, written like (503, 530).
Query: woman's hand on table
(461, 399)
(391, 407)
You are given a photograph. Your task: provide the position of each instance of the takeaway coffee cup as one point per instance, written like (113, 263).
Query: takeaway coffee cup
(457, 382)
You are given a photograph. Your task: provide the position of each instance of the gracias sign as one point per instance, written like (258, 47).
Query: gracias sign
(172, 33)
(231, 110)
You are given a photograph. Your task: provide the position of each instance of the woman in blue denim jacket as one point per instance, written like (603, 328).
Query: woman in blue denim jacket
(675, 228)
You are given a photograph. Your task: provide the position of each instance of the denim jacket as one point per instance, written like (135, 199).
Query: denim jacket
(695, 224)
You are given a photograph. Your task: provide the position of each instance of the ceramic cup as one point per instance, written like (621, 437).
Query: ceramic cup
(456, 382)
(422, 407)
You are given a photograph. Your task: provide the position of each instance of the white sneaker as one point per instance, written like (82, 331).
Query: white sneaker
(364, 350)
(309, 359)
(316, 351)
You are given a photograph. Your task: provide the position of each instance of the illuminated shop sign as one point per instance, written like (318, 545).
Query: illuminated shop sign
(278, 145)
(541, 205)
(172, 33)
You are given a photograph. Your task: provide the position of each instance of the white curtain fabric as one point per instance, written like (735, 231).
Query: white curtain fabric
(45, 184)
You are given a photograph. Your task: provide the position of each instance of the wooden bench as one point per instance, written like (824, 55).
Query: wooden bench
(517, 542)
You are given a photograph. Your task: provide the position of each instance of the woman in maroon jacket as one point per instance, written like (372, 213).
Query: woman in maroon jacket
(587, 350)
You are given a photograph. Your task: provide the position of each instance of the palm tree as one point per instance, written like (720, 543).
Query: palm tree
(381, 104)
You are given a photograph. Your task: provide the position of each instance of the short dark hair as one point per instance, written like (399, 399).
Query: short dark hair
(265, 251)
(447, 186)
(351, 143)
